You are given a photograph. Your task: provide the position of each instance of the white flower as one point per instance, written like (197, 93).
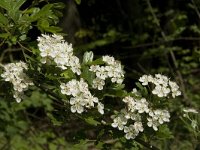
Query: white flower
(98, 83)
(94, 68)
(14, 73)
(131, 103)
(135, 116)
(101, 73)
(161, 115)
(130, 132)
(161, 80)
(138, 127)
(174, 89)
(119, 122)
(153, 123)
(77, 108)
(109, 60)
(161, 91)
(133, 130)
(142, 106)
(91, 100)
(144, 80)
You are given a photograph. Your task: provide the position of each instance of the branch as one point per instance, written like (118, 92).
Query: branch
(147, 145)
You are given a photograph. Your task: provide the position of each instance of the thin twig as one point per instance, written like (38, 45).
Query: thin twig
(24, 47)
(163, 42)
(8, 50)
(147, 145)
(195, 8)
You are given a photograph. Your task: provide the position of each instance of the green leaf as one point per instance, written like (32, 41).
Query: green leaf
(140, 86)
(18, 4)
(43, 12)
(5, 4)
(4, 35)
(53, 29)
(59, 5)
(78, 2)
(87, 75)
(3, 19)
(43, 23)
(91, 121)
(68, 74)
(164, 132)
(97, 62)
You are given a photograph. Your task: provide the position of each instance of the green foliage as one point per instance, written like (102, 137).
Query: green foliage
(16, 23)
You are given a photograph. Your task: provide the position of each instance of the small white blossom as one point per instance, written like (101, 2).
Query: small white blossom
(98, 83)
(133, 130)
(119, 122)
(109, 60)
(142, 106)
(175, 89)
(161, 91)
(131, 103)
(153, 123)
(144, 80)
(130, 132)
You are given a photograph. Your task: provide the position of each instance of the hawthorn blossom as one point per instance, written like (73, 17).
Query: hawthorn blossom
(163, 86)
(141, 105)
(133, 130)
(157, 117)
(112, 69)
(98, 83)
(14, 73)
(53, 47)
(119, 122)
(81, 96)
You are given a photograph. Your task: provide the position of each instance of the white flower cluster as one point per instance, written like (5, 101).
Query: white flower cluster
(157, 117)
(133, 104)
(81, 96)
(163, 86)
(120, 121)
(113, 69)
(134, 111)
(55, 48)
(14, 73)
